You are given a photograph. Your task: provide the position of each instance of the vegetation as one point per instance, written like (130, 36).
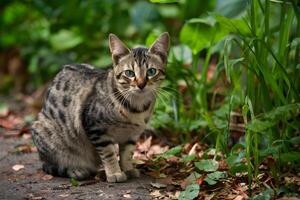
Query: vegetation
(233, 69)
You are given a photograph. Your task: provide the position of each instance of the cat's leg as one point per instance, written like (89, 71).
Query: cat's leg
(126, 153)
(108, 155)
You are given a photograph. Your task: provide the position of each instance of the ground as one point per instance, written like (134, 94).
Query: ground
(170, 171)
(31, 182)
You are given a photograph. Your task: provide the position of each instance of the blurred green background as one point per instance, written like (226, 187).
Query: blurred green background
(233, 67)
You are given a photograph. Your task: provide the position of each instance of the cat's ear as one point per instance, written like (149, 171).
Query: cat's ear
(161, 46)
(117, 48)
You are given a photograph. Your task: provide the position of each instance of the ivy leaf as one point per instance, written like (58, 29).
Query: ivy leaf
(188, 158)
(192, 178)
(212, 178)
(190, 192)
(172, 152)
(265, 195)
(207, 165)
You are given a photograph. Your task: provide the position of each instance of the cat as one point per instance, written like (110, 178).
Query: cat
(87, 111)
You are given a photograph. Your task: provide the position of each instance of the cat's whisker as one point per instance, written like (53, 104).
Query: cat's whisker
(161, 97)
(169, 88)
(164, 93)
(167, 92)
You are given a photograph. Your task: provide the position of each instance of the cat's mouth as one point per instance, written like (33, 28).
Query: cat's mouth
(141, 91)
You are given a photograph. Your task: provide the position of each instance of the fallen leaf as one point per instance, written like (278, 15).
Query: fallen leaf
(127, 196)
(158, 185)
(47, 177)
(155, 193)
(144, 146)
(17, 167)
(31, 196)
(64, 195)
(25, 148)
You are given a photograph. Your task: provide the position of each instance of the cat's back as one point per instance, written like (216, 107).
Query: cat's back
(67, 93)
(76, 77)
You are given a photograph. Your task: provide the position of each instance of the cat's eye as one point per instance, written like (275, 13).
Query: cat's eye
(129, 73)
(151, 72)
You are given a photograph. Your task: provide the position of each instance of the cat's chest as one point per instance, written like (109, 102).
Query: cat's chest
(132, 126)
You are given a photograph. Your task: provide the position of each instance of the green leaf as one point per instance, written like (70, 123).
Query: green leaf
(281, 111)
(207, 165)
(231, 8)
(293, 156)
(295, 140)
(182, 53)
(259, 126)
(238, 168)
(217, 175)
(151, 38)
(237, 26)
(65, 39)
(212, 178)
(74, 182)
(200, 33)
(192, 178)
(188, 158)
(235, 158)
(190, 192)
(172, 152)
(271, 118)
(265, 195)
(210, 181)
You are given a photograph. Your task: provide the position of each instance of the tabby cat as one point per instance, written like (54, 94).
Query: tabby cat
(87, 111)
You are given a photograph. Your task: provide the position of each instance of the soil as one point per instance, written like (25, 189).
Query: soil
(32, 183)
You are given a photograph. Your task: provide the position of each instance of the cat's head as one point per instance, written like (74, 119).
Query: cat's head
(139, 71)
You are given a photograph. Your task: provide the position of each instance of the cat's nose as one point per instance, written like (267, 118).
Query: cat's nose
(141, 85)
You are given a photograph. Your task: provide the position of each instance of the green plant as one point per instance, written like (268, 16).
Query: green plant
(259, 54)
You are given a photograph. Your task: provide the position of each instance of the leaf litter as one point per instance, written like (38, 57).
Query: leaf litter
(188, 171)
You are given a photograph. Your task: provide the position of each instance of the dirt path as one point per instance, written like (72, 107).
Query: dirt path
(32, 183)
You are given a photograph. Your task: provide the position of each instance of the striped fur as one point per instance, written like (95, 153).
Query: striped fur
(87, 111)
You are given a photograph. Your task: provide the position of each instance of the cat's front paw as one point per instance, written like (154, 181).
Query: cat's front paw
(133, 173)
(116, 177)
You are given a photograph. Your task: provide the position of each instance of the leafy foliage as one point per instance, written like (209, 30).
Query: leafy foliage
(207, 165)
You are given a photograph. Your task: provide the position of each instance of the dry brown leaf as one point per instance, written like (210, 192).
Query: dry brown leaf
(155, 193)
(144, 146)
(47, 177)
